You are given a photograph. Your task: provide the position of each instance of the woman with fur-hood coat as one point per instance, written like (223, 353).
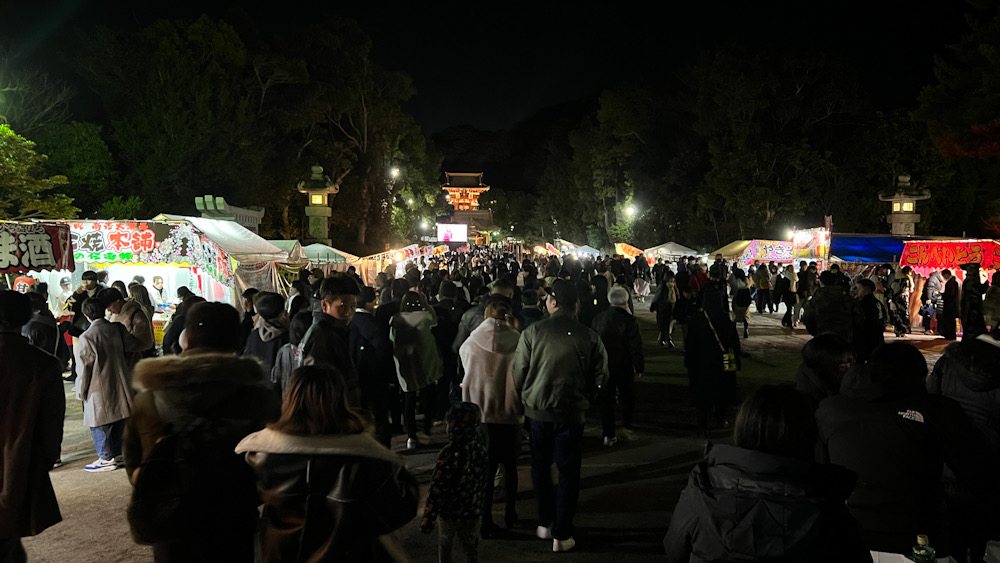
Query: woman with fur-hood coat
(220, 398)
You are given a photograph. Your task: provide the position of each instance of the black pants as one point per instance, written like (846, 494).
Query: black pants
(505, 447)
(428, 399)
(625, 385)
(764, 300)
(12, 551)
(376, 402)
(559, 443)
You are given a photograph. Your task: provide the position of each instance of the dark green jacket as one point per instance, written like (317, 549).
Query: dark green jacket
(559, 363)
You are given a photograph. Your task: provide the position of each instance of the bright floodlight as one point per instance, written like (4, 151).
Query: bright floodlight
(630, 211)
(410, 201)
(423, 224)
(394, 172)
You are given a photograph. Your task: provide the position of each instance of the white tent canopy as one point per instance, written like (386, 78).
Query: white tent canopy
(296, 254)
(670, 249)
(238, 242)
(321, 254)
(585, 249)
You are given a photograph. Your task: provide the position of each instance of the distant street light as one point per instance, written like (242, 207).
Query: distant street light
(630, 211)
(409, 201)
(423, 224)
(394, 172)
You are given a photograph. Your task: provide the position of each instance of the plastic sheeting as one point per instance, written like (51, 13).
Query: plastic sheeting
(670, 249)
(321, 255)
(238, 242)
(866, 248)
(293, 248)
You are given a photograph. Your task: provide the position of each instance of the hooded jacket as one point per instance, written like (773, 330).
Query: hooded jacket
(488, 358)
(886, 427)
(329, 343)
(969, 373)
(227, 397)
(559, 363)
(418, 363)
(327, 498)
(832, 310)
(266, 338)
(746, 505)
(460, 474)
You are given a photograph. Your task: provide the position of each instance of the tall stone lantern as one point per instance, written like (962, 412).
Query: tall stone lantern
(904, 217)
(320, 189)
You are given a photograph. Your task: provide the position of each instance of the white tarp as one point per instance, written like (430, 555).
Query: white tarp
(670, 249)
(321, 255)
(237, 241)
(296, 254)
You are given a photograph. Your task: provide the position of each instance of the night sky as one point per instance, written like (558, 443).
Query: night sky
(490, 66)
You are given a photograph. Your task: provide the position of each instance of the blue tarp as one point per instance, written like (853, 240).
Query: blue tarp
(866, 248)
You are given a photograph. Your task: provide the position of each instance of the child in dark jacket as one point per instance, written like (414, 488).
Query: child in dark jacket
(456, 493)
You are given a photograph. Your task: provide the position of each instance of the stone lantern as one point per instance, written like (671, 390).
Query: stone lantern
(319, 188)
(904, 217)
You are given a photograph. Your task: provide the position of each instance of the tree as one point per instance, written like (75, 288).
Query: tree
(78, 152)
(24, 194)
(772, 122)
(184, 119)
(30, 99)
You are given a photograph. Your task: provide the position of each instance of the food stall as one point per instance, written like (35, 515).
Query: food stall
(926, 256)
(41, 249)
(745, 252)
(213, 258)
(670, 251)
(812, 245)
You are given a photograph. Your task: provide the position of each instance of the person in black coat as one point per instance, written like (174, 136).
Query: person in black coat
(620, 333)
(270, 329)
(764, 499)
(710, 335)
(825, 360)
(969, 373)
(449, 315)
(885, 427)
(371, 353)
(328, 340)
(952, 306)
(871, 334)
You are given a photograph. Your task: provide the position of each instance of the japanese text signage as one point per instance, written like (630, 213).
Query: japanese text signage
(766, 251)
(26, 247)
(950, 254)
(149, 242)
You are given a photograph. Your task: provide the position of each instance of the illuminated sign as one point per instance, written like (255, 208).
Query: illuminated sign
(452, 232)
(34, 246)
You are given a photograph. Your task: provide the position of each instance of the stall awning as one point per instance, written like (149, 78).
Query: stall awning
(585, 249)
(866, 248)
(733, 249)
(238, 242)
(671, 249)
(293, 248)
(320, 254)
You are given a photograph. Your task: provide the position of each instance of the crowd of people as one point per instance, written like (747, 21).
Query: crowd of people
(273, 428)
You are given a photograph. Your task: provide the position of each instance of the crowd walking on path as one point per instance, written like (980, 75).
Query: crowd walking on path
(265, 434)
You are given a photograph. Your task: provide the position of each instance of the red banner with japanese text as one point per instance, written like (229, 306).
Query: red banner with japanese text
(927, 256)
(26, 247)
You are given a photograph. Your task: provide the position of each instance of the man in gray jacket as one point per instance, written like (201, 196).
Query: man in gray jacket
(558, 365)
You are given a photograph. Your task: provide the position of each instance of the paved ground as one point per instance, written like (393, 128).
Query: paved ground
(627, 495)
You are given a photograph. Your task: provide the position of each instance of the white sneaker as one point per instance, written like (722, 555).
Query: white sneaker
(411, 443)
(101, 465)
(563, 545)
(543, 533)
(609, 441)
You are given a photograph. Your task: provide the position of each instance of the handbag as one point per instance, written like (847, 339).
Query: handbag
(729, 362)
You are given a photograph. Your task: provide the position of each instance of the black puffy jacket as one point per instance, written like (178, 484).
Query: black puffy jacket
(746, 505)
(328, 498)
(885, 427)
(620, 333)
(969, 372)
